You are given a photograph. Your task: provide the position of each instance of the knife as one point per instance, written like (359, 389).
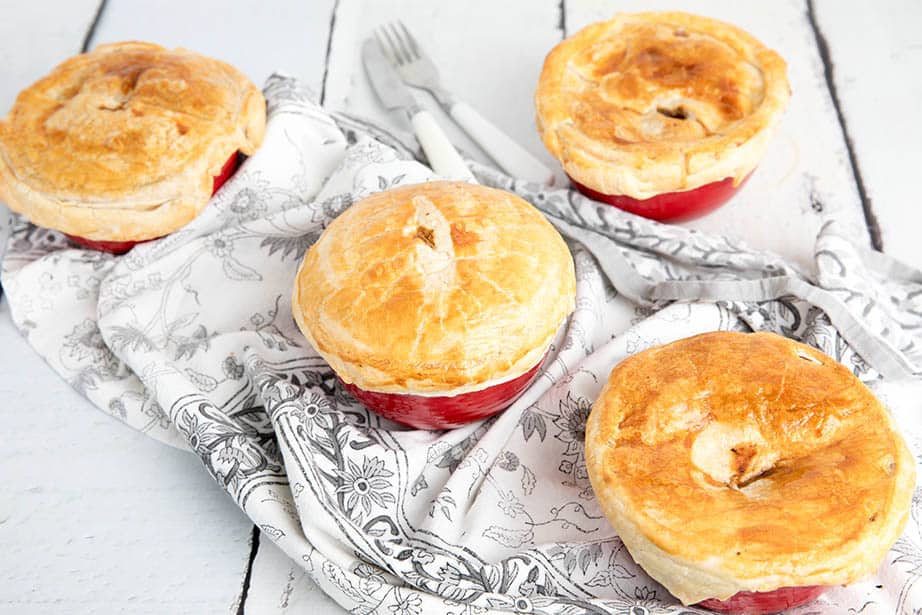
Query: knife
(396, 96)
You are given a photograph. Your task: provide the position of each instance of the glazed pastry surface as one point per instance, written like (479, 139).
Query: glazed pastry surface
(123, 143)
(435, 287)
(651, 103)
(747, 462)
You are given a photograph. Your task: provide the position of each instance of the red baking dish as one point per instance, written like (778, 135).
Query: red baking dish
(671, 206)
(444, 411)
(761, 603)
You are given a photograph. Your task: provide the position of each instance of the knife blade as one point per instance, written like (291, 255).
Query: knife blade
(395, 95)
(385, 81)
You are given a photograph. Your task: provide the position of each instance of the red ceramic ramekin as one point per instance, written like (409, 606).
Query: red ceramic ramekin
(120, 247)
(671, 206)
(444, 412)
(762, 603)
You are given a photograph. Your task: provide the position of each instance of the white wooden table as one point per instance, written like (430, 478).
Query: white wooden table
(95, 518)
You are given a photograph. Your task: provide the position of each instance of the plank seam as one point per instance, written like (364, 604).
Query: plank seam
(829, 73)
(326, 57)
(562, 23)
(91, 31)
(254, 548)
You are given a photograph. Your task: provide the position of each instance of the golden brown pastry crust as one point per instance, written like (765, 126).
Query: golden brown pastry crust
(442, 287)
(123, 143)
(650, 103)
(747, 462)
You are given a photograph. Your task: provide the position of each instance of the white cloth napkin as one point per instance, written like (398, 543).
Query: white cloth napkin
(191, 340)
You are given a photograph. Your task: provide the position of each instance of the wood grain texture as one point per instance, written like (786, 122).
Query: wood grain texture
(256, 37)
(280, 585)
(31, 42)
(94, 516)
(241, 32)
(98, 518)
(480, 58)
(879, 83)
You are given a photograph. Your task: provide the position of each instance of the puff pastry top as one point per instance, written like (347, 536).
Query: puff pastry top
(123, 143)
(747, 462)
(650, 103)
(438, 288)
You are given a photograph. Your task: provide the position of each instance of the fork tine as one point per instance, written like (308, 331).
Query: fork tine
(411, 41)
(404, 48)
(384, 46)
(392, 44)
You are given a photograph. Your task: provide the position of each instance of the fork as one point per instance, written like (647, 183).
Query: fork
(418, 70)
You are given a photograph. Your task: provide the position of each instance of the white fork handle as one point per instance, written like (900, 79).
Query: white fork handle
(443, 157)
(512, 157)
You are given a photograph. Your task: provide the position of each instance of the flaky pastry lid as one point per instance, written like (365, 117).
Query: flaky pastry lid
(123, 143)
(442, 287)
(649, 103)
(747, 462)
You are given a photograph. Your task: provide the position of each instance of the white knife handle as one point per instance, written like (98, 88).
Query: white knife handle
(512, 157)
(443, 157)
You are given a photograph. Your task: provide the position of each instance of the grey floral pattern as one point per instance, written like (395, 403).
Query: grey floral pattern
(571, 424)
(190, 339)
(366, 485)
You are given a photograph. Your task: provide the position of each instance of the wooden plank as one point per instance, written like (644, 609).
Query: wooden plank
(281, 585)
(96, 517)
(35, 36)
(93, 516)
(805, 174)
(257, 37)
(879, 83)
(483, 60)
(30, 44)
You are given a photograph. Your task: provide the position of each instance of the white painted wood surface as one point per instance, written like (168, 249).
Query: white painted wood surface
(257, 37)
(30, 42)
(280, 585)
(95, 518)
(775, 210)
(877, 70)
